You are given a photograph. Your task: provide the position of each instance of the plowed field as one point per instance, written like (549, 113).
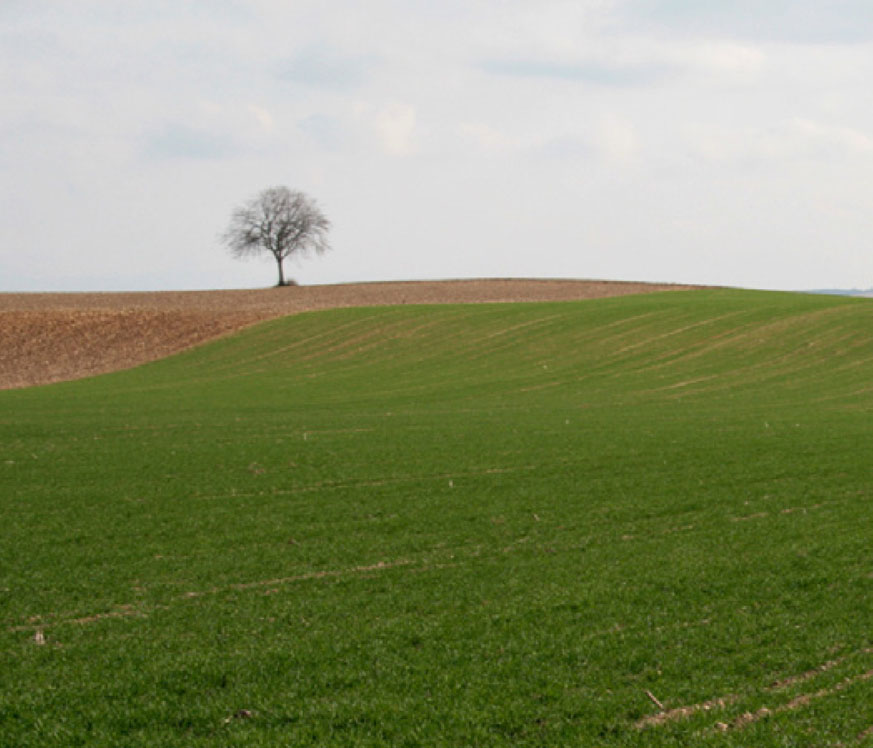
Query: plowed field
(51, 337)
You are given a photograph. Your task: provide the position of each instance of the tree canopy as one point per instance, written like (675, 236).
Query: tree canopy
(280, 222)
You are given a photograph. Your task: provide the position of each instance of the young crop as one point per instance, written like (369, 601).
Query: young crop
(635, 521)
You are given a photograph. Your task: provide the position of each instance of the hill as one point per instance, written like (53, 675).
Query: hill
(620, 521)
(53, 337)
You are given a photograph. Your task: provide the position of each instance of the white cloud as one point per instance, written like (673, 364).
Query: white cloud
(829, 140)
(395, 125)
(788, 140)
(263, 117)
(616, 138)
(729, 58)
(488, 138)
(610, 138)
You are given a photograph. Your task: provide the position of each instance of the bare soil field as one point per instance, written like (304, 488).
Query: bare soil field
(51, 337)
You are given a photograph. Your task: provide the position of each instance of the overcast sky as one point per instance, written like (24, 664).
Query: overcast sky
(720, 142)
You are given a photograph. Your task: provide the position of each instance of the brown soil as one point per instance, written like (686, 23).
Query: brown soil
(51, 337)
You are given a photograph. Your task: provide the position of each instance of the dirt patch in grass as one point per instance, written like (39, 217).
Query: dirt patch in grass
(52, 337)
(672, 715)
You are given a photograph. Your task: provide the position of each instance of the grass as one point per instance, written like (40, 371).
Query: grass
(452, 525)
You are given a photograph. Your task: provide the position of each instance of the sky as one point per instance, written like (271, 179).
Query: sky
(719, 142)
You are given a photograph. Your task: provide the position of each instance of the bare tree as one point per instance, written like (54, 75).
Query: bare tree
(280, 222)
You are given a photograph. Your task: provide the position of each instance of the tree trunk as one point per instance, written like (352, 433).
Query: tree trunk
(281, 272)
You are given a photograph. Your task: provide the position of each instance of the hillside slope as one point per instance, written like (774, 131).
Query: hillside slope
(508, 524)
(55, 337)
(657, 347)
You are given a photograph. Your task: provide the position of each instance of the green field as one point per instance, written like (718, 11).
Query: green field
(453, 525)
